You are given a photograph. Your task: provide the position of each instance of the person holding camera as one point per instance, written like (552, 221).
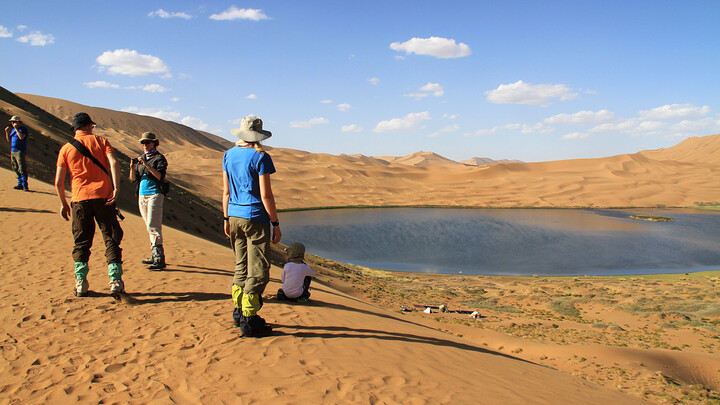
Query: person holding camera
(16, 134)
(148, 171)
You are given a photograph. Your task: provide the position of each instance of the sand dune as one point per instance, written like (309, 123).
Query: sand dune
(679, 176)
(174, 340)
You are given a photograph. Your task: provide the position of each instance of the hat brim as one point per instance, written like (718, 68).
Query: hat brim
(251, 136)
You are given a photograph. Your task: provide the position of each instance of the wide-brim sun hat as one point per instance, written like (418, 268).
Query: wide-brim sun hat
(251, 130)
(15, 118)
(148, 136)
(295, 252)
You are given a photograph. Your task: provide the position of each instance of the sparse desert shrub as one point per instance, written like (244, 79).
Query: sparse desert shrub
(565, 307)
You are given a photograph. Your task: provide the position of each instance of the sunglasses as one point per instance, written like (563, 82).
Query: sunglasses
(146, 142)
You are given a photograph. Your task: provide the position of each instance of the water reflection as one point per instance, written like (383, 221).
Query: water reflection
(510, 242)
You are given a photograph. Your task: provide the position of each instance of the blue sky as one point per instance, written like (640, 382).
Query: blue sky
(528, 80)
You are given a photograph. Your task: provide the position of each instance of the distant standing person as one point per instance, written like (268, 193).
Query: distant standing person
(249, 211)
(148, 171)
(16, 134)
(94, 193)
(296, 275)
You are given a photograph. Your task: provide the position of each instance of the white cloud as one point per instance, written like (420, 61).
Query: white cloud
(309, 123)
(416, 96)
(582, 118)
(705, 126)
(154, 88)
(450, 116)
(4, 32)
(449, 128)
(493, 130)
(194, 123)
(100, 84)
(154, 112)
(234, 13)
(130, 62)
(537, 128)
(622, 125)
(409, 122)
(632, 126)
(326, 101)
(175, 99)
(251, 97)
(352, 128)
(373, 80)
(435, 88)
(575, 135)
(344, 107)
(525, 93)
(164, 14)
(22, 27)
(675, 112)
(434, 46)
(37, 38)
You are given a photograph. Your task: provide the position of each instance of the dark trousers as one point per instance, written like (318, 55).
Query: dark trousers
(84, 216)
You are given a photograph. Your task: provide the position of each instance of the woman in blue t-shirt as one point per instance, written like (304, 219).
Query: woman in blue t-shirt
(249, 211)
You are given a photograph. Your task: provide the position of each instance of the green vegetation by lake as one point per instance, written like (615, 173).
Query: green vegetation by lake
(652, 218)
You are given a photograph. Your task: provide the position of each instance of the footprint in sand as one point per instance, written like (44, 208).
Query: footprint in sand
(114, 367)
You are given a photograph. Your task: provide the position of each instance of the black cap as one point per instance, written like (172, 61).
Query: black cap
(80, 120)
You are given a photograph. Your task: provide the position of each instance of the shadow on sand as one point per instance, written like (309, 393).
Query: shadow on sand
(338, 332)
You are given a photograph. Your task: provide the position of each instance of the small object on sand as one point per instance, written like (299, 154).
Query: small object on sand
(475, 315)
(428, 310)
(403, 308)
(443, 308)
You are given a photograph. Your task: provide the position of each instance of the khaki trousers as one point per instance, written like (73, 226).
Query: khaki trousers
(251, 244)
(151, 211)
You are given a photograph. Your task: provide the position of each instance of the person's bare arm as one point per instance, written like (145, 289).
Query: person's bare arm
(115, 174)
(60, 190)
(268, 200)
(225, 202)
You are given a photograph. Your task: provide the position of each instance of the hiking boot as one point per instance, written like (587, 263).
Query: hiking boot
(303, 299)
(253, 326)
(158, 265)
(18, 187)
(117, 286)
(26, 189)
(81, 288)
(149, 260)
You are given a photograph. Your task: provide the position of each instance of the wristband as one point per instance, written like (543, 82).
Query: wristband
(226, 218)
(276, 223)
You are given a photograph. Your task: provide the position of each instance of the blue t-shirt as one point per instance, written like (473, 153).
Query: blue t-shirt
(148, 185)
(17, 144)
(244, 166)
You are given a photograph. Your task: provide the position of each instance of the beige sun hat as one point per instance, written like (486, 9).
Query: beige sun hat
(295, 252)
(15, 118)
(251, 130)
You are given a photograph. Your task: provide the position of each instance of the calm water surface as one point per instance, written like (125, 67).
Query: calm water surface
(510, 241)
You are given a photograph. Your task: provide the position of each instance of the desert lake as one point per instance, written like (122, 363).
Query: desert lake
(510, 241)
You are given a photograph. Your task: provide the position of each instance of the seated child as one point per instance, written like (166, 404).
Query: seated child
(296, 275)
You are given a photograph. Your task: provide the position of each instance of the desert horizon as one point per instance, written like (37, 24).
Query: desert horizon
(588, 340)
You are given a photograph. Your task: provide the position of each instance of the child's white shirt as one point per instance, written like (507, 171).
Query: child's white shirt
(293, 276)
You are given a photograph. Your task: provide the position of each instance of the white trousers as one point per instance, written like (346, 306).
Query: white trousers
(151, 210)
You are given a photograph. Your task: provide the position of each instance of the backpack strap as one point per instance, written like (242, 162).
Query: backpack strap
(85, 152)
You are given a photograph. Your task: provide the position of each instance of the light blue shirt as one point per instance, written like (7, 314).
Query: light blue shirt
(244, 166)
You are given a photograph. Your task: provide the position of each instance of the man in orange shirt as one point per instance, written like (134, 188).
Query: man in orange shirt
(93, 199)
